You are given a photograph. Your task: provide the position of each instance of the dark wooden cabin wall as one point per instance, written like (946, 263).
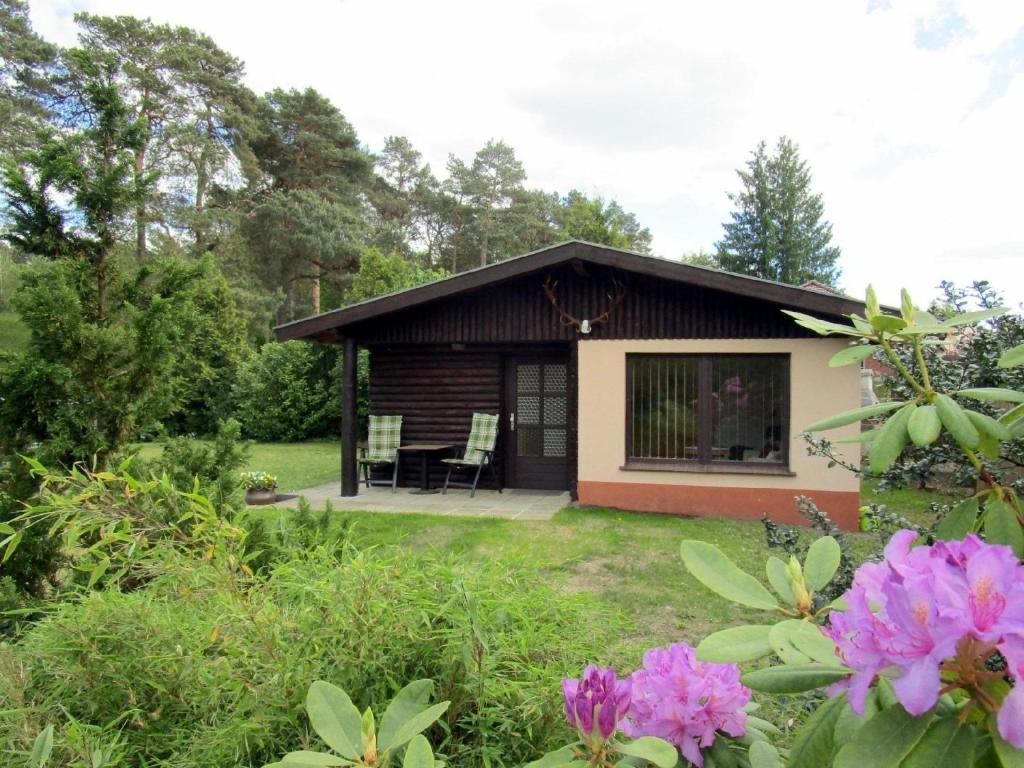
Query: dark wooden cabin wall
(436, 391)
(519, 312)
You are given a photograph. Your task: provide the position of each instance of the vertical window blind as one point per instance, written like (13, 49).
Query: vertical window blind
(707, 408)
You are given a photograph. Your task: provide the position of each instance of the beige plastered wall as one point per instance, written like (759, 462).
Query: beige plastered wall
(816, 391)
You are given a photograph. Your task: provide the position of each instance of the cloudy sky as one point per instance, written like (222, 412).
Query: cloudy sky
(909, 113)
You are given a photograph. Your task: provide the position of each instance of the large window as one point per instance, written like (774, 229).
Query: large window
(707, 409)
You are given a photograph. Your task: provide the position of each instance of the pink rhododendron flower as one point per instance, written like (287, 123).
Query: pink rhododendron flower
(597, 697)
(923, 606)
(685, 701)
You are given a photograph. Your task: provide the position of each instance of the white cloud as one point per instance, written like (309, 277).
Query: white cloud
(908, 113)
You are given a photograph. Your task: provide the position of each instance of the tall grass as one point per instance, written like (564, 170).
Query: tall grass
(183, 673)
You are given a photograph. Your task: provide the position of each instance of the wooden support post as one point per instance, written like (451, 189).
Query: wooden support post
(349, 419)
(573, 442)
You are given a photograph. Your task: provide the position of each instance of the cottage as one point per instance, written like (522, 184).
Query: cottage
(631, 381)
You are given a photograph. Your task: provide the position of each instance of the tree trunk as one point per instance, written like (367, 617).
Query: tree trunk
(202, 182)
(315, 289)
(140, 210)
(485, 241)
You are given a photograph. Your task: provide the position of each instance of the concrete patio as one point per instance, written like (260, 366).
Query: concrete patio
(511, 504)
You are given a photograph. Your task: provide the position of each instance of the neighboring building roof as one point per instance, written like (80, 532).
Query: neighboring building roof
(820, 287)
(800, 298)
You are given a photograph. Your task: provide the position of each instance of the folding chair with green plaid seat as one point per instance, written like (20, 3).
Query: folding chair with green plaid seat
(483, 436)
(382, 448)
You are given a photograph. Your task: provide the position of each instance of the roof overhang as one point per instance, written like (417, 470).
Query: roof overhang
(787, 296)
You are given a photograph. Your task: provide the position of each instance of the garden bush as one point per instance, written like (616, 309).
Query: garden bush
(191, 673)
(214, 463)
(289, 392)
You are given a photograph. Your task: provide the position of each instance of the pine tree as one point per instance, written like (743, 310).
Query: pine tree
(777, 230)
(487, 190)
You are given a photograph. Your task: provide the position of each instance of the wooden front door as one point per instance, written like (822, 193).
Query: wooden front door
(538, 422)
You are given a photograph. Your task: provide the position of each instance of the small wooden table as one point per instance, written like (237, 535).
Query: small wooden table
(424, 450)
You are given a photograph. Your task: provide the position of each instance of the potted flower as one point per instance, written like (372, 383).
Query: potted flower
(260, 487)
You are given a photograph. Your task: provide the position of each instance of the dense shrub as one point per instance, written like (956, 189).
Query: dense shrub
(289, 391)
(214, 463)
(195, 675)
(214, 345)
(33, 567)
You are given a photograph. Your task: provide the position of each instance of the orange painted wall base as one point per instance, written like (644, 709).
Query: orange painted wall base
(705, 501)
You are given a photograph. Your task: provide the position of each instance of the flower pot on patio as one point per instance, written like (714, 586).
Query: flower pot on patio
(256, 496)
(260, 487)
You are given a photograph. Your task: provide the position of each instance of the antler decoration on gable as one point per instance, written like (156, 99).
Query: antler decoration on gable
(585, 325)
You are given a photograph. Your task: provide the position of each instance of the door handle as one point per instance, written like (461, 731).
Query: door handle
(512, 421)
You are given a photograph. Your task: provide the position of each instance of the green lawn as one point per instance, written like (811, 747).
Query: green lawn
(296, 465)
(628, 561)
(909, 502)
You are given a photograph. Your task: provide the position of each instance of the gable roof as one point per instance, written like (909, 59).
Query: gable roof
(790, 296)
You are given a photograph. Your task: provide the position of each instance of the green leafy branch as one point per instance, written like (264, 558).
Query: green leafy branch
(355, 739)
(997, 509)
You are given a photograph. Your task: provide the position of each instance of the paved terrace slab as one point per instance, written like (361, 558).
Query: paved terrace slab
(511, 504)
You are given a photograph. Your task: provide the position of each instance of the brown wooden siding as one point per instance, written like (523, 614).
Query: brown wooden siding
(518, 311)
(436, 390)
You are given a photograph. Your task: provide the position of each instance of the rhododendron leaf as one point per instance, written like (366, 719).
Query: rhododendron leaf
(408, 702)
(988, 425)
(418, 754)
(969, 318)
(959, 521)
(993, 393)
(1014, 414)
(946, 744)
(886, 693)
(821, 563)
(763, 725)
(554, 759)
(861, 324)
(864, 436)
(851, 355)
(335, 718)
(988, 445)
(736, 644)
(955, 420)
(884, 740)
(777, 577)
(305, 757)
(1011, 358)
(906, 305)
(722, 755)
(849, 417)
(810, 640)
(652, 749)
(717, 572)
(783, 645)
(1003, 527)
(888, 323)
(815, 740)
(892, 438)
(793, 678)
(1009, 756)
(924, 426)
(849, 722)
(871, 305)
(415, 724)
(822, 327)
(764, 755)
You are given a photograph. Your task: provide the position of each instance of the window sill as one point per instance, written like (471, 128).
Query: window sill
(737, 468)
